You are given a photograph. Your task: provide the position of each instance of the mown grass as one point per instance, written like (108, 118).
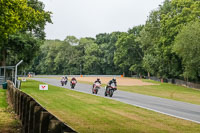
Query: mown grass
(8, 123)
(166, 90)
(89, 113)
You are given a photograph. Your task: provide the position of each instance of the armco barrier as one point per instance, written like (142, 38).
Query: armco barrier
(34, 117)
(178, 82)
(78, 75)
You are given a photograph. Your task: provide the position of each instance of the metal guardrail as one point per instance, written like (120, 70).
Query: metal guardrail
(2, 80)
(78, 75)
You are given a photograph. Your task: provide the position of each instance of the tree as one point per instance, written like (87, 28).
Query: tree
(128, 54)
(157, 40)
(20, 20)
(187, 47)
(91, 58)
(107, 47)
(180, 13)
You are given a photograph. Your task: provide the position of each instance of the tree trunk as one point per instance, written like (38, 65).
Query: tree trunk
(4, 57)
(3, 61)
(149, 75)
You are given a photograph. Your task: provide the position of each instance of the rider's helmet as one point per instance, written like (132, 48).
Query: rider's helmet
(98, 79)
(114, 79)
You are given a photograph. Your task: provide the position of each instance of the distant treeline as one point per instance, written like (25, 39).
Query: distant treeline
(167, 46)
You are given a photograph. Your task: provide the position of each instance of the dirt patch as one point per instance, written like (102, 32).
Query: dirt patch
(120, 81)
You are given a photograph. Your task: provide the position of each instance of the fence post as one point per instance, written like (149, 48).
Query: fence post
(26, 114)
(36, 119)
(21, 105)
(31, 116)
(24, 108)
(54, 126)
(16, 101)
(44, 122)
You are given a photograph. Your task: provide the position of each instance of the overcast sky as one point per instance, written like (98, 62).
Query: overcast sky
(87, 18)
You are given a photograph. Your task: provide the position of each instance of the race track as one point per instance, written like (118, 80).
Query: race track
(173, 108)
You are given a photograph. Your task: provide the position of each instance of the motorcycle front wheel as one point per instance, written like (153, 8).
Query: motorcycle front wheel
(105, 93)
(96, 91)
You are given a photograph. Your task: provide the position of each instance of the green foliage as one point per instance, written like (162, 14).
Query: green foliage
(24, 46)
(22, 25)
(12, 16)
(8, 121)
(181, 12)
(3, 103)
(157, 37)
(128, 53)
(91, 58)
(187, 46)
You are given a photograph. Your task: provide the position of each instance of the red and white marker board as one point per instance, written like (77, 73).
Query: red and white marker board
(24, 79)
(43, 87)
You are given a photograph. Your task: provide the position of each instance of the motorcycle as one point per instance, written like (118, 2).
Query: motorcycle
(62, 82)
(73, 83)
(96, 88)
(110, 90)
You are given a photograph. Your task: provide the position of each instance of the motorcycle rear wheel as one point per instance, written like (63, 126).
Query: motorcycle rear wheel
(111, 93)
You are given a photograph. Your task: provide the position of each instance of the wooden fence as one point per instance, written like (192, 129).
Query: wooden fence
(34, 117)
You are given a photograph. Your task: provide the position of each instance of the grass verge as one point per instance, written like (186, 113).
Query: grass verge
(8, 121)
(166, 90)
(89, 113)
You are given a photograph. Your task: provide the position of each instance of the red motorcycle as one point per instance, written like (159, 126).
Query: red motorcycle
(110, 90)
(96, 87)
(73, 83)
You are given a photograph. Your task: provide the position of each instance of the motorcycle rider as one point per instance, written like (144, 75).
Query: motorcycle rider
(73, 79)
(63, 79)
(98, 80)
(66, 79)
(110, 82)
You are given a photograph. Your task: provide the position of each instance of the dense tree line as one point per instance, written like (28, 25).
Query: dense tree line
(166, 46)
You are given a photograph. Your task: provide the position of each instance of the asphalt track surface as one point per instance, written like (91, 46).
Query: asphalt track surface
(169, 107)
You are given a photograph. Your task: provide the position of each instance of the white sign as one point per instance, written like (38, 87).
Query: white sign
(24, 80)
(43, 87)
